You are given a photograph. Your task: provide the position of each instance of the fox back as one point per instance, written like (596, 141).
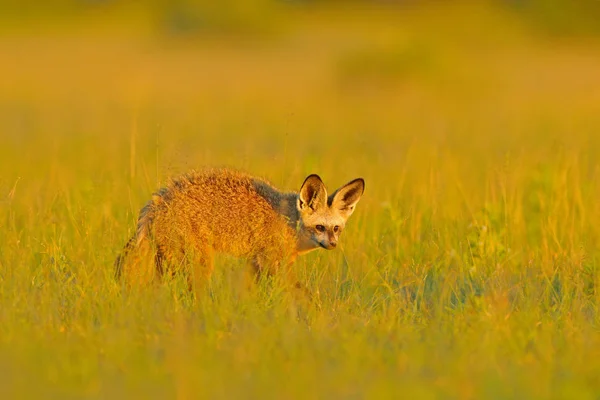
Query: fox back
(225, 211)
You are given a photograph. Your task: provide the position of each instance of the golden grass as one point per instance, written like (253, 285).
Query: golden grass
(469, 269)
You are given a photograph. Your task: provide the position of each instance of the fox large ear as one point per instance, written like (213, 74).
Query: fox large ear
(345, 198)
(313, 194)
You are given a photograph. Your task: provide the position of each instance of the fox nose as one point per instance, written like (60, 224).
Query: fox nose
(332, 244)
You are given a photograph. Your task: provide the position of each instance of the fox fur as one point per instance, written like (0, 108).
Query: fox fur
(225, 211)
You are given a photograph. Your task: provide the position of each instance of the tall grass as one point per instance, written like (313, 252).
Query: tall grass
(469, 270)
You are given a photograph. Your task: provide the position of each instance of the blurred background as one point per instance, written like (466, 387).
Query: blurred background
(145, 89)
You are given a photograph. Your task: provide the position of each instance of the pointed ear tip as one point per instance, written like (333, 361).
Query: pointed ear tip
(362, 182)
(313, 177)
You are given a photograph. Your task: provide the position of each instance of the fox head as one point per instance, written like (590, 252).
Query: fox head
(322, 218)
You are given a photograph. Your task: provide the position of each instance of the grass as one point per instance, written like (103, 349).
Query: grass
(469, 270)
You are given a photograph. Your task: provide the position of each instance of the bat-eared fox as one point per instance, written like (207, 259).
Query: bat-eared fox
(225, 211)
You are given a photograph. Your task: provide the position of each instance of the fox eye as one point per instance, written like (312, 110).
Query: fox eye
(320, 228)
(336, 228)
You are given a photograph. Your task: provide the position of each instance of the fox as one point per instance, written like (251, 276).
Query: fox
(203, 213)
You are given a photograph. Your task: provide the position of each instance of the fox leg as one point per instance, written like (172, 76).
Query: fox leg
(201, 268)
(137, 269)
(265, 263)
(259, 269)
(253, 274)
(299, 287)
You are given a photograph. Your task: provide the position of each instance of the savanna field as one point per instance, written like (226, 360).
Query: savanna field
(470, 269)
